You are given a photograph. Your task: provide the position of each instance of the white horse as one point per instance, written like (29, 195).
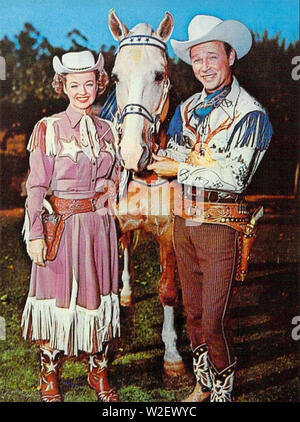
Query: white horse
(142, 92)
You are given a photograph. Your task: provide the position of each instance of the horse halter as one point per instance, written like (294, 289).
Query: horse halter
(143, 40)
(139, 109)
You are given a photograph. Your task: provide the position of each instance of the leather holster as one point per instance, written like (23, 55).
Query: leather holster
(53, 229)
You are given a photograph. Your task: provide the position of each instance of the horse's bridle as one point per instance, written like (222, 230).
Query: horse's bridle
(139, 109)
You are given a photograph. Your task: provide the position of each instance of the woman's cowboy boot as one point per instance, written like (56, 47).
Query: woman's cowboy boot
(98, 378)
(49, 377)
(222, 383)
(201, 370)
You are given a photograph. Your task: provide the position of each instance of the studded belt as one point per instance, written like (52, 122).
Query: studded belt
(233, 214)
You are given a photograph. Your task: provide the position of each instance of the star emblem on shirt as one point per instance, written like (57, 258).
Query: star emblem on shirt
(109, 148)
(69, 148)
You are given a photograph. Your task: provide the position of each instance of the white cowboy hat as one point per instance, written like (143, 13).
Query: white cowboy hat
(204, 28)
(76, 62)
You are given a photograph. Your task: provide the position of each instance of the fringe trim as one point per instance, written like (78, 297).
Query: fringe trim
(26, 229)
(50, 138)
(68, 330)
(254, 130)
(115, 315)
(175, 127)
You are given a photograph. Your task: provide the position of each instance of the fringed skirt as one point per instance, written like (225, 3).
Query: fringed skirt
(73, 302)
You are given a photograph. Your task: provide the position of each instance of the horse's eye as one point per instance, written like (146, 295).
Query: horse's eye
(159, 76)
(114, 78)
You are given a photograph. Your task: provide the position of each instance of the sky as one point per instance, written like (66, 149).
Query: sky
(55, 18)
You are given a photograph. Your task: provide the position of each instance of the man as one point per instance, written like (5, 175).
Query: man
(217, 140)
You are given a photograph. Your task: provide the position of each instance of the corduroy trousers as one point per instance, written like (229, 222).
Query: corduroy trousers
(206, 256)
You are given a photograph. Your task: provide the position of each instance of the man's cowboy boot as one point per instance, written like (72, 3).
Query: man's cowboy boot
(98, 378)
(222, 383)
(201, 370)
(49, 382)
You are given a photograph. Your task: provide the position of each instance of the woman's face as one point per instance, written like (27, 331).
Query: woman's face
(81, 89)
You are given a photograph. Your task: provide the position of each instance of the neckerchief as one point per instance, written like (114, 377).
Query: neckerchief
(210, 102)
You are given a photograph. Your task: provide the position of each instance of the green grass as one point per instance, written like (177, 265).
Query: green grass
(261, 315)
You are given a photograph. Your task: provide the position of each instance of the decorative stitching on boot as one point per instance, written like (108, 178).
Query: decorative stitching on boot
(54, 360)
(50, 361)
(108, 396)
(222, 383)
(100, 362)
(201, 367)
(97, 378)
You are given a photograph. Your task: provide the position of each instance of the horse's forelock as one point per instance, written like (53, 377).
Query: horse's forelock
(142, 29)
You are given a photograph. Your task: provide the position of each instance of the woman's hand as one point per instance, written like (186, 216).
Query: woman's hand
(164, 166)
(37, 250)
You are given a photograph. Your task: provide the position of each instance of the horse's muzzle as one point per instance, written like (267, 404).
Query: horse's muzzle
(130, 162)
(144, 159)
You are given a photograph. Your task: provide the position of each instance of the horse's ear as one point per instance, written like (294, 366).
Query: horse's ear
(165, 28)
(117, 28)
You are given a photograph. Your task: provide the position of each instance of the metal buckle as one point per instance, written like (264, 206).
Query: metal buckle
(93, 203)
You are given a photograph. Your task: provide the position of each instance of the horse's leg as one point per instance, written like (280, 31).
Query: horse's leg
(168, 291)
(125, 296)
(169, 336)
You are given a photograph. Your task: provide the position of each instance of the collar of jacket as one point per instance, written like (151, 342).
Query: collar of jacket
(74, 116)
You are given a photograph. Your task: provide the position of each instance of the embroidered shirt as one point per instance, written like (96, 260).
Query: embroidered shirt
(224, 150)
(58, 161)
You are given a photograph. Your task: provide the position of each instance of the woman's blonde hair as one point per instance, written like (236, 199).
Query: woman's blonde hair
(59, 81)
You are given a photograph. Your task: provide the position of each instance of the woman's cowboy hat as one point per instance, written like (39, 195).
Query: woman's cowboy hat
(204, 28)
(76, 62)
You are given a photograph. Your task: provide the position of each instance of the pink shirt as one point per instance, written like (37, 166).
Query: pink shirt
(58, 162)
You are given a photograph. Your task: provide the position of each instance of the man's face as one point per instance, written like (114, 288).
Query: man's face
(211, 65)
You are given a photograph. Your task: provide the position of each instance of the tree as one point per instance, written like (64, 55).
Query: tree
(27, 95)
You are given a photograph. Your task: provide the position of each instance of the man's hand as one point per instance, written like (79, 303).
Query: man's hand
(37, 250)
(164, 166)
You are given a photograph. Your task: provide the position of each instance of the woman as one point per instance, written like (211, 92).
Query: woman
(73, 303)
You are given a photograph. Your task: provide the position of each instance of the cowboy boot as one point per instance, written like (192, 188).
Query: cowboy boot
(201, 370)
(98, 378)
(222, 383)
(49, 376)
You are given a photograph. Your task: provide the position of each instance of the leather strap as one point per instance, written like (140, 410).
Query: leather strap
(68, 207)
(197, 205)
(207, 195)
(233, 215)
